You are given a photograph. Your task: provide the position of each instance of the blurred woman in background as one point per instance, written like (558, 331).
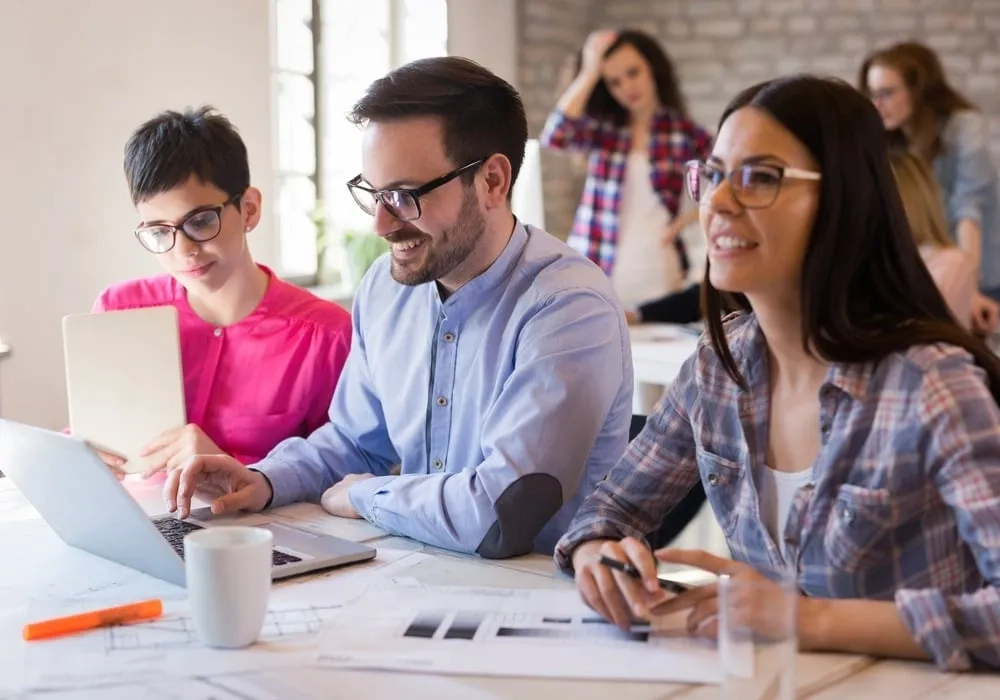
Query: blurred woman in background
(950, 266)
(925, 114)
(625, 110)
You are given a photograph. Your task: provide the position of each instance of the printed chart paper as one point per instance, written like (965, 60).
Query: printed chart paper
(508, 632)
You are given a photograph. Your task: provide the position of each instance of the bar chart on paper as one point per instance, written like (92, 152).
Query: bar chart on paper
(470, 625)
(508, 632)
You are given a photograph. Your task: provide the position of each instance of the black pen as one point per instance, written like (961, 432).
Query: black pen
(629, 570)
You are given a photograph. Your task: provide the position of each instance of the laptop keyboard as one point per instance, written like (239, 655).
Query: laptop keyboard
(173, 530)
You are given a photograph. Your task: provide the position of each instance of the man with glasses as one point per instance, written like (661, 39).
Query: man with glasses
(489, 361)
(260, 357)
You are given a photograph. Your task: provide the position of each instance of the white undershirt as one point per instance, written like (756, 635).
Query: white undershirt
(644, 268)
(775, 494)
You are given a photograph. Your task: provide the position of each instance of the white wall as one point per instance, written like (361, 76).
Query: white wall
(486, 32)
(76, 79)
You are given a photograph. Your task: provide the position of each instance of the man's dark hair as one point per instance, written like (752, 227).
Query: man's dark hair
(172, 146)
(482, 114)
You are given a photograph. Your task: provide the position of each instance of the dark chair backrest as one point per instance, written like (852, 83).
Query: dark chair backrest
(638, 423)
(682, 514)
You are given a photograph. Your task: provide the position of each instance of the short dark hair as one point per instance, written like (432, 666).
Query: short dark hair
(172, 146)
(877, 296)
(602, 105)
(482, 113)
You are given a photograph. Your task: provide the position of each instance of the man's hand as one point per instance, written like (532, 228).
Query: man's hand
(336, 500)
(220, 479)
(175, 447)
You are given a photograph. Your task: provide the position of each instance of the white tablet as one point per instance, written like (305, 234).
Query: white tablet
(123, 379)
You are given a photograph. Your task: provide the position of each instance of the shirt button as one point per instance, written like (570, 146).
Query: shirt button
(438, 464)
(449, 337)
(217, 332)
(442, 401)
(713, 479)
(847, 515)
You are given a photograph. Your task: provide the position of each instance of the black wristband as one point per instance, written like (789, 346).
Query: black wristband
(269, 485)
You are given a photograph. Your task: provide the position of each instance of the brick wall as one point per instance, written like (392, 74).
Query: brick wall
(722, 46)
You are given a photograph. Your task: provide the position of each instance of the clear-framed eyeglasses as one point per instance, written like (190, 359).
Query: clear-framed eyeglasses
(754, 185)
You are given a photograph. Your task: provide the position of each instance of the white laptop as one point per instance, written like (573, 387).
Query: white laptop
(123, 379)
(90, 509)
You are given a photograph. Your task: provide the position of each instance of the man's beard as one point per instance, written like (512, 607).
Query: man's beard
(445, 253)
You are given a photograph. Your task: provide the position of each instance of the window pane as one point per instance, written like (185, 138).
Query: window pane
(355, 42)
(425, 29)
(355, 53)
(296, 203)
(296, 137)
(293, 35)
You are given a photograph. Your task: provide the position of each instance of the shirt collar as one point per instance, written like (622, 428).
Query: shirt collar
(272, 299)
(472, 291)
(851, 378)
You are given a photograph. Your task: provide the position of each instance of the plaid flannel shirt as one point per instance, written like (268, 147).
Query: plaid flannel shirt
(904, 500)
(673, 141)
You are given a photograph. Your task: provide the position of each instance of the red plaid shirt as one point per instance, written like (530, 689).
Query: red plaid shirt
(673, 141)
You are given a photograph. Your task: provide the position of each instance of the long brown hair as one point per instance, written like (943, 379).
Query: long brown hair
(921, 198)
(866, 292)
(934, 99)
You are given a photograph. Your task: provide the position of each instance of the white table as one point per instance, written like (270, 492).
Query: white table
(658, 351)
(818, 675)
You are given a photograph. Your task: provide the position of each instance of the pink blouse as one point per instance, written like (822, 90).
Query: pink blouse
(256, 382)
(954, 274)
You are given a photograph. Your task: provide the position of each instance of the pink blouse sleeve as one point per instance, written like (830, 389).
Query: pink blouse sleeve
(328, 375)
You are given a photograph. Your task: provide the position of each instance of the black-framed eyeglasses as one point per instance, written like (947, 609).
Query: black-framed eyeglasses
(402, 202)
(200, 226)
(754, 185)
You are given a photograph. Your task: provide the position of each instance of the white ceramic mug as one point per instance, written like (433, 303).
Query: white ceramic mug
(228, 571)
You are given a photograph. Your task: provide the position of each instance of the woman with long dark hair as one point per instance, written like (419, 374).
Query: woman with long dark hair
(923, 113)
(844, 426)
(625, 110)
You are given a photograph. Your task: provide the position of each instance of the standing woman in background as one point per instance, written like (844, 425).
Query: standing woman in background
(624, 108)
(927, 116)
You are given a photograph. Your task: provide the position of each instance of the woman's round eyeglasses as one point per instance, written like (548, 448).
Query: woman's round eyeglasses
(199, 226)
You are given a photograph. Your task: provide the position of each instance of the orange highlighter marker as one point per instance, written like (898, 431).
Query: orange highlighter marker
(144, 610)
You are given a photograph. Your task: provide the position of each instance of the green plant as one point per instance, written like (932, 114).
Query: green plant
(363, 248)
(322, 237)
